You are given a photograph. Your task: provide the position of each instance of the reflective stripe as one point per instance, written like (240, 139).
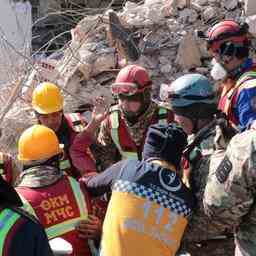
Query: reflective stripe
(7, 219)
(80, 199)
(162, 112)
(244, 77)
(77, 123)
(62, 228)
(114, 119)
(64, 164)
(250, 83)
(69, 225)
(241, 82)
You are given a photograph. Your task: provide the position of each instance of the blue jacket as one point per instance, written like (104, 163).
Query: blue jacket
(244, 106)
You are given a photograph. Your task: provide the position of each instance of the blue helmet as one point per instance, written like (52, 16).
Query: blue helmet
(193, 95)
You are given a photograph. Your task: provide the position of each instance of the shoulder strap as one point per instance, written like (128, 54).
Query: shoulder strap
(114, 116)
(114, 123)
(7, 219)
(75, 122)
(64, 164)
(240, 83)
(162, 115)
(79, 196)
(245, 77)
(114, 119)
(114, 108)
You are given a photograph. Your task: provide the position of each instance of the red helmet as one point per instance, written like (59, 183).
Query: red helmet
(227, 31)
(130, 80)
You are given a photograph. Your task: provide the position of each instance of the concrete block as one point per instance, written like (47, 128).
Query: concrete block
(250, 7)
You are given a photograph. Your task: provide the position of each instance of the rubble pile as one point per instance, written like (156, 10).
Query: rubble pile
(160, 35)
(164, 31)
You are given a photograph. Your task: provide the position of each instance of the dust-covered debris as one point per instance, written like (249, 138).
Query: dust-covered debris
(158, 34)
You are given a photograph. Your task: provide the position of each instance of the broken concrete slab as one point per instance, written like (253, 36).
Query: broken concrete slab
(189, 55)
(250, 7)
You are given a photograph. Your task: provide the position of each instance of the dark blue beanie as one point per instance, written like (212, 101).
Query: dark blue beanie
(165, 141)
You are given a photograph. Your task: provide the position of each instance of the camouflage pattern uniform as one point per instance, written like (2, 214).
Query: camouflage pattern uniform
(230, 192)
(203, 236)
(110, 153)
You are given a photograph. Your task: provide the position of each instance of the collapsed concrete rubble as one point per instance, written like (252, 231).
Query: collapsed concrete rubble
(160, 37)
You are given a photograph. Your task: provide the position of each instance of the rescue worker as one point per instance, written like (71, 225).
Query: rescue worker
(47, 102)
(228, 42)
(194, 104)
(155, 204)
(57, 200)
(19, 232)
(123, 131)
(230, 192)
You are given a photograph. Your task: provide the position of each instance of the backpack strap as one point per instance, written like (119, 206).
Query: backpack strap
(241, 83)
(162, 115)
(114, 124)
(75, 122)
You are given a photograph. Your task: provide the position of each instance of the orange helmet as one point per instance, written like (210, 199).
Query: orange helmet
(130, 80)
(47, 98)
(38, 143)
(227, 31)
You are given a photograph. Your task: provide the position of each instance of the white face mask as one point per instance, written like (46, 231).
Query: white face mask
(218, 72)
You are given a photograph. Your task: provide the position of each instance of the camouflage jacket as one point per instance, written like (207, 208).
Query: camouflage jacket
(201, 228)
(110, 153)
(230, 192)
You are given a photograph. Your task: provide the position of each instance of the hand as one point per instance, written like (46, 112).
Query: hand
(100, 109)
(90, 228)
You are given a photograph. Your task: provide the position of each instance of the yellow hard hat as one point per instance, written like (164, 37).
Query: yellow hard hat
(47, 98)
(38, 143)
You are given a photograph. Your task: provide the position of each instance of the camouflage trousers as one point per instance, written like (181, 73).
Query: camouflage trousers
(220, 247)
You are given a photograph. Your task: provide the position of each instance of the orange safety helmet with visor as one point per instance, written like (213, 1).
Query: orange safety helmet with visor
(132, 79)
